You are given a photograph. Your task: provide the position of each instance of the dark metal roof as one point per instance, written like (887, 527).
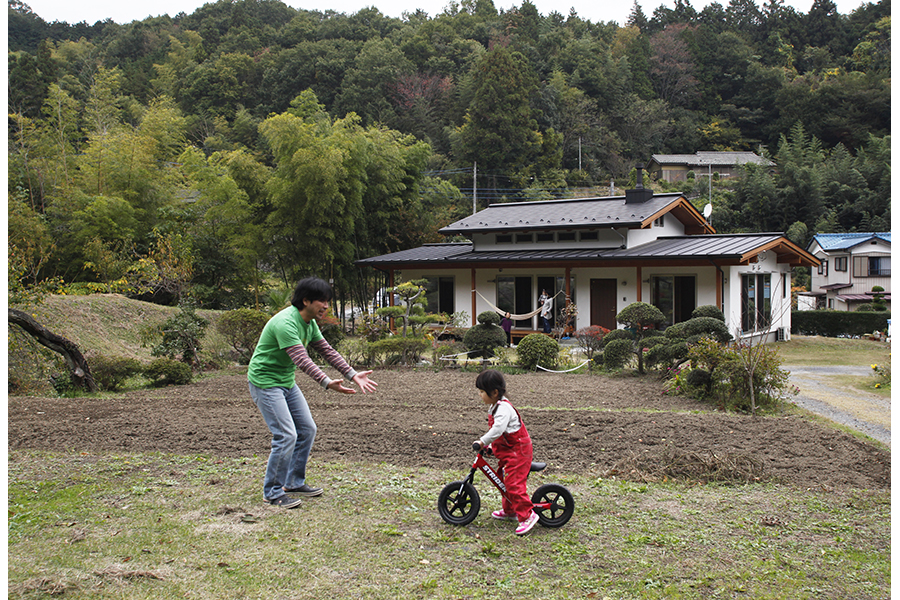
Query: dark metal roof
(861, 297)
(568, 213)
(734, 248)
(836, 286)
(703, 246)
(703, 159)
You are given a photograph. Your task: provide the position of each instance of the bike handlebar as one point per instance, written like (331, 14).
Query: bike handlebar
(482, 449)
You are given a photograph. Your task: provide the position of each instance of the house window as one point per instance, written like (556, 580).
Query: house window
(879, 266)
(660, 222)
(545, 237)
(514, 294)
(871, 266)
(567, 236)
(588, 236)
(823, 268)
(440, 296)
(675, 296)
(524, 238)
(840, 263)
(756, 302)
(504, 238)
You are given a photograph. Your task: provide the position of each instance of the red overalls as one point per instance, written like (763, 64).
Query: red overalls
(514, 452)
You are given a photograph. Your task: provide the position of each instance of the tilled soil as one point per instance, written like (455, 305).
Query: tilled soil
(579, 423)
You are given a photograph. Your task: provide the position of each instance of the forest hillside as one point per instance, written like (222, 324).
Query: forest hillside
(229, 151)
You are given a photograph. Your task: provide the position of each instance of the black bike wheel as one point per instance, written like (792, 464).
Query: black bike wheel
(559, 501)
(459, 503)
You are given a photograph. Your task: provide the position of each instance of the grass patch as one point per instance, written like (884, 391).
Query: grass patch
(863, 384)
(828, 352)
(109, 324)
(157, 526)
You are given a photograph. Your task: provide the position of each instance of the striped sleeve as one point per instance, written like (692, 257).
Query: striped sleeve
(334, 358)
(301, 358)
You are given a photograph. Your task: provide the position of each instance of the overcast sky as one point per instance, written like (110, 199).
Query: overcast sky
(125, 11)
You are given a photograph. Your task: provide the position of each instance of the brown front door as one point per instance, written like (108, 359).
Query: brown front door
(603, 303)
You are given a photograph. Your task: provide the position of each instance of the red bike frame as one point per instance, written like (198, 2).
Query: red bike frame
(482, 465)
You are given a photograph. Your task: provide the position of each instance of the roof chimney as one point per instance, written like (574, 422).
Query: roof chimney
(639, 193)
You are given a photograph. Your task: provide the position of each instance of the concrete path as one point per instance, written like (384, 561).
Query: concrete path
(822, 393)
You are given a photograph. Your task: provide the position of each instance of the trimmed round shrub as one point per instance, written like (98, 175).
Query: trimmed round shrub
(617, 353)
(166, 371)
(488, 317)
(699, 378)
(111, 372)
(617, 334)
(537, 350)
(652, 338)
(708, 310)
(697, 327)
(485, 336)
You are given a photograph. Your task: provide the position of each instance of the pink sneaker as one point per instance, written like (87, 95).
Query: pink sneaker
(528, 524)
(503, 515)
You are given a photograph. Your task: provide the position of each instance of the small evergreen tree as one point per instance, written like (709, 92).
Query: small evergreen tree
(181, 335)
(641, 318)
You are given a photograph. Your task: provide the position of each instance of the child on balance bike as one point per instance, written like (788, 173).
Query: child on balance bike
(509, 440)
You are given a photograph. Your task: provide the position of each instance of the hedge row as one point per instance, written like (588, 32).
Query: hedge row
(836, 323)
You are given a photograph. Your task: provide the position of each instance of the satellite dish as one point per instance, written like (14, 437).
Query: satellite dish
(707, 210)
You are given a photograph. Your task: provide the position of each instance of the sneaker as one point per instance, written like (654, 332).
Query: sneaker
(503, 515)
(528, 524)
(305, 490)
(285, 501)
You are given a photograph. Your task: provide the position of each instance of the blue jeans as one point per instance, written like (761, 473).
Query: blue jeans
(293, 431)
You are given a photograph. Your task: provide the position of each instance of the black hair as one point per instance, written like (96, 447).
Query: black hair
(312, 289)
(490, 380)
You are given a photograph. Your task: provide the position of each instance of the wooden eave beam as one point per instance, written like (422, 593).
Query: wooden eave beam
(785, 251)
(684, 211)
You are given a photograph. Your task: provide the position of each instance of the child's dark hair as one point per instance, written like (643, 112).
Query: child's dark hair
(312, 289)
(491, 380)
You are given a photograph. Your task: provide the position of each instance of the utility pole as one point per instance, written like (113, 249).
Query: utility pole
(579, 153)
(475, 188)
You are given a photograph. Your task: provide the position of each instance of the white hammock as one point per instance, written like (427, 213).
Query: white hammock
(512, 316)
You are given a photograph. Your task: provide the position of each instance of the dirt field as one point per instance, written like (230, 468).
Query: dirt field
(430, 419)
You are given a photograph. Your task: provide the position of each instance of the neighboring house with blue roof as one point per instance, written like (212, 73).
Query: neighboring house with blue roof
(604, 254)
(675, 167)
(849, 266)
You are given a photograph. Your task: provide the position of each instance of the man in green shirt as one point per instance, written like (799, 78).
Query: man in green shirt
(280, 351)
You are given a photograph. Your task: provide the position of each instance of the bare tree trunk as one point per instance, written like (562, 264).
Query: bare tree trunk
(76, 362)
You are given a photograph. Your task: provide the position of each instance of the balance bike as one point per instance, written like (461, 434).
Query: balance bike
(459, 501)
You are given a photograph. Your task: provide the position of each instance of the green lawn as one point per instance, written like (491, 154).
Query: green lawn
(162, 526)
(824, 352)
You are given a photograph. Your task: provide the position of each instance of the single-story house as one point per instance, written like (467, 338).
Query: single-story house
(675, 167)
(603, 254)
(848, 266)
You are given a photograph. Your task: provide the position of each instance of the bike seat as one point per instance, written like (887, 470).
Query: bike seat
(538, 466)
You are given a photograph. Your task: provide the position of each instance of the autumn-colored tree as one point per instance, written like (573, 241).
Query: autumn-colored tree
(672, 66)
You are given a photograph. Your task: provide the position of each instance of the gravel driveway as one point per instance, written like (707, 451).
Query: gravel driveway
(820, 393)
